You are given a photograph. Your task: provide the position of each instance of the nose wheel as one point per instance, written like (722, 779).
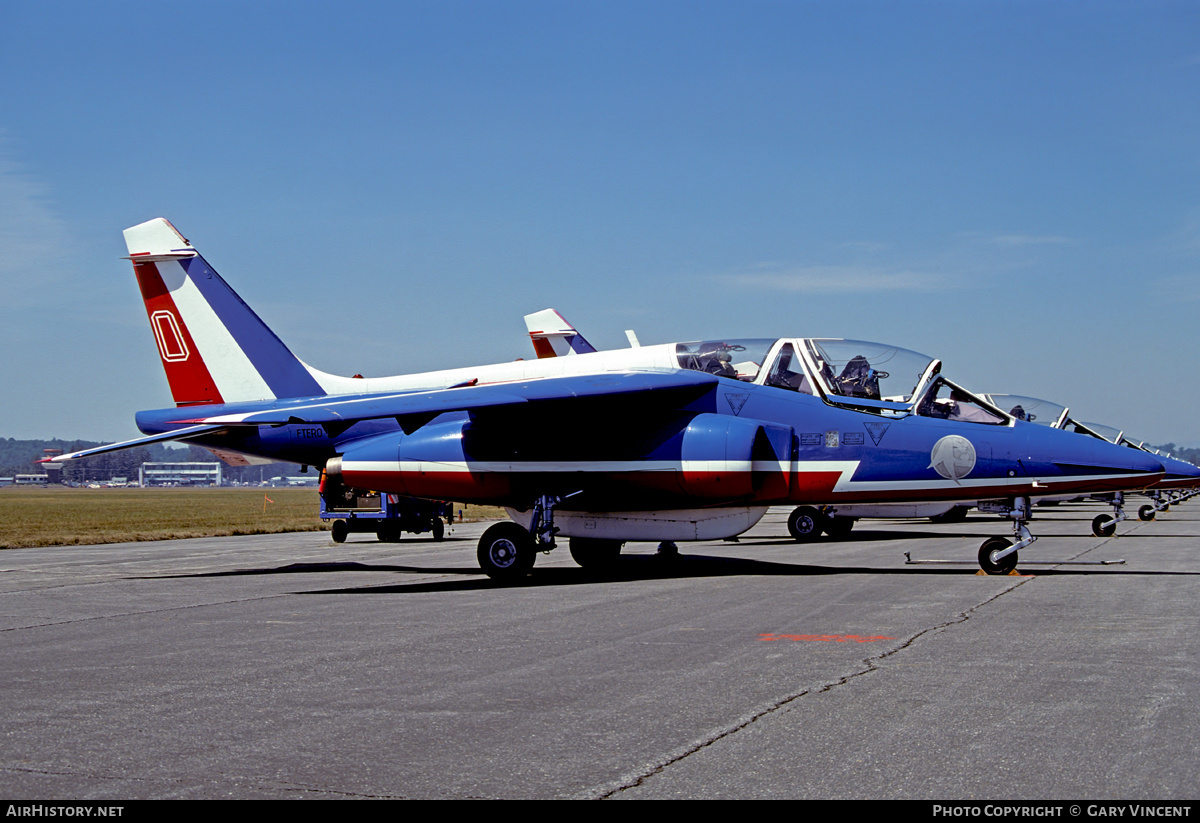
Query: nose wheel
(988, 552)
(1104, 526)
(998, 555)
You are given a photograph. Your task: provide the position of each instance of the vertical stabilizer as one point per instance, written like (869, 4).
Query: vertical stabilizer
(553, 336)
(214, 348)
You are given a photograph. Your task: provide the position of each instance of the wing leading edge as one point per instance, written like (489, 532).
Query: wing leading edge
(412, 410)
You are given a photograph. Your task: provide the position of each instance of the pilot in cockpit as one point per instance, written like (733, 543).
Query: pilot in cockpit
(858, 379)
(721, 364)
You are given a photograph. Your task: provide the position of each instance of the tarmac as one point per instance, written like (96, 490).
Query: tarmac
(287, 666)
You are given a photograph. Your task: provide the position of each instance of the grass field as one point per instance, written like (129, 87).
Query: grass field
(59, 516)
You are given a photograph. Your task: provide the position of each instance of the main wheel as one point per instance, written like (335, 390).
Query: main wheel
(387, 532)
(804, 524)
(838, 527)
(1104, 526)
(340, 529)
(438, 528)
(1146, 513)
(991, 547)
(506, 552)
(595, 554)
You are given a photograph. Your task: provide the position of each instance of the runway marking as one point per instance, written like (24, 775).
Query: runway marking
(823, 638)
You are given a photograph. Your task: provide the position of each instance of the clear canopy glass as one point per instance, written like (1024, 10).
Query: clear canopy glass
(874, 371)
(1029, 409)
(872, 377)
(738, 358)
(1107, 432)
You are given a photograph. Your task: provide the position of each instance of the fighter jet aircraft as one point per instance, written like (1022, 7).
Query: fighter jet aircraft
(1179, 474)
(679, 441)
(1181, 481)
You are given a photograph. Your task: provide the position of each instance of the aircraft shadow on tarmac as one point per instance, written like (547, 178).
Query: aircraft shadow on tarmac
(631, 568)
(635, 567)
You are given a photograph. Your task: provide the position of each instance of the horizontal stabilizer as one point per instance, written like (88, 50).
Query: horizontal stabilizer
(177, 434)
(157, 240)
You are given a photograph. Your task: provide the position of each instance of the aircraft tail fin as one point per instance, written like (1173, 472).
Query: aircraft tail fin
(553, 336)
(214, 348)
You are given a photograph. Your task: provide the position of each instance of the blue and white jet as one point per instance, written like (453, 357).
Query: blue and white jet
(1180, 479)
(670, 442)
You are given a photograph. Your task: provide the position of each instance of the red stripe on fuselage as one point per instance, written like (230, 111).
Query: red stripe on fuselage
(190, 381)
(674, 489)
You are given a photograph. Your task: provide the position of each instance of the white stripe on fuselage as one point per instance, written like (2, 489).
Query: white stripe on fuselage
(235, 376)
(845, 483)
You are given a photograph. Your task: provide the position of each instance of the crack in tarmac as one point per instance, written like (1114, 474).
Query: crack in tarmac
(633, 781)
(682, 753)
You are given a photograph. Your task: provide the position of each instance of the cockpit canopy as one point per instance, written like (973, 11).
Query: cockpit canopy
(1030, 409)
(873, 377)
(855, 368)
(740, 359)
(1103, 432)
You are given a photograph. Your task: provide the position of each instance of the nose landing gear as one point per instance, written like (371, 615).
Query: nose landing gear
(998, 555)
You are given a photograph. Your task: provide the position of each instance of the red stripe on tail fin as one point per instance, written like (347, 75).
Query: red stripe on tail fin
(190, 381)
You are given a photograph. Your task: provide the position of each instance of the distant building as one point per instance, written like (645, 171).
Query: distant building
(31, 480)
(300, 480)
(53, 470)
(179, 474)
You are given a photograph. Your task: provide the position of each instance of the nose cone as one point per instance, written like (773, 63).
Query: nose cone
(1180, 474)
(1080, 462)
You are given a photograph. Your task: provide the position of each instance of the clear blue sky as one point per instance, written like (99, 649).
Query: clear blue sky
(1013, 187)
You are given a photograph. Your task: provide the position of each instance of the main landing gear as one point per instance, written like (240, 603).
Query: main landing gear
(998, 555)
(806, 523)
(507, 551)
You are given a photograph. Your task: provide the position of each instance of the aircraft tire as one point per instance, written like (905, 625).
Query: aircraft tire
(1104, 526)
(595, 554)
(388, 532)
(438, 528)
(804, 524)
(838, 527)
(1146, 513)
(1002, 566)
(506, 552)
(339, 531)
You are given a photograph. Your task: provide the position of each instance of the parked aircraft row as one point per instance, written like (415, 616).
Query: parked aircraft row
(670, 442)
(553, 335)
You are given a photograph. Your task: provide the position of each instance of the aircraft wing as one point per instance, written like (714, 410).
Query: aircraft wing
(177, 434)
(414, 409)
